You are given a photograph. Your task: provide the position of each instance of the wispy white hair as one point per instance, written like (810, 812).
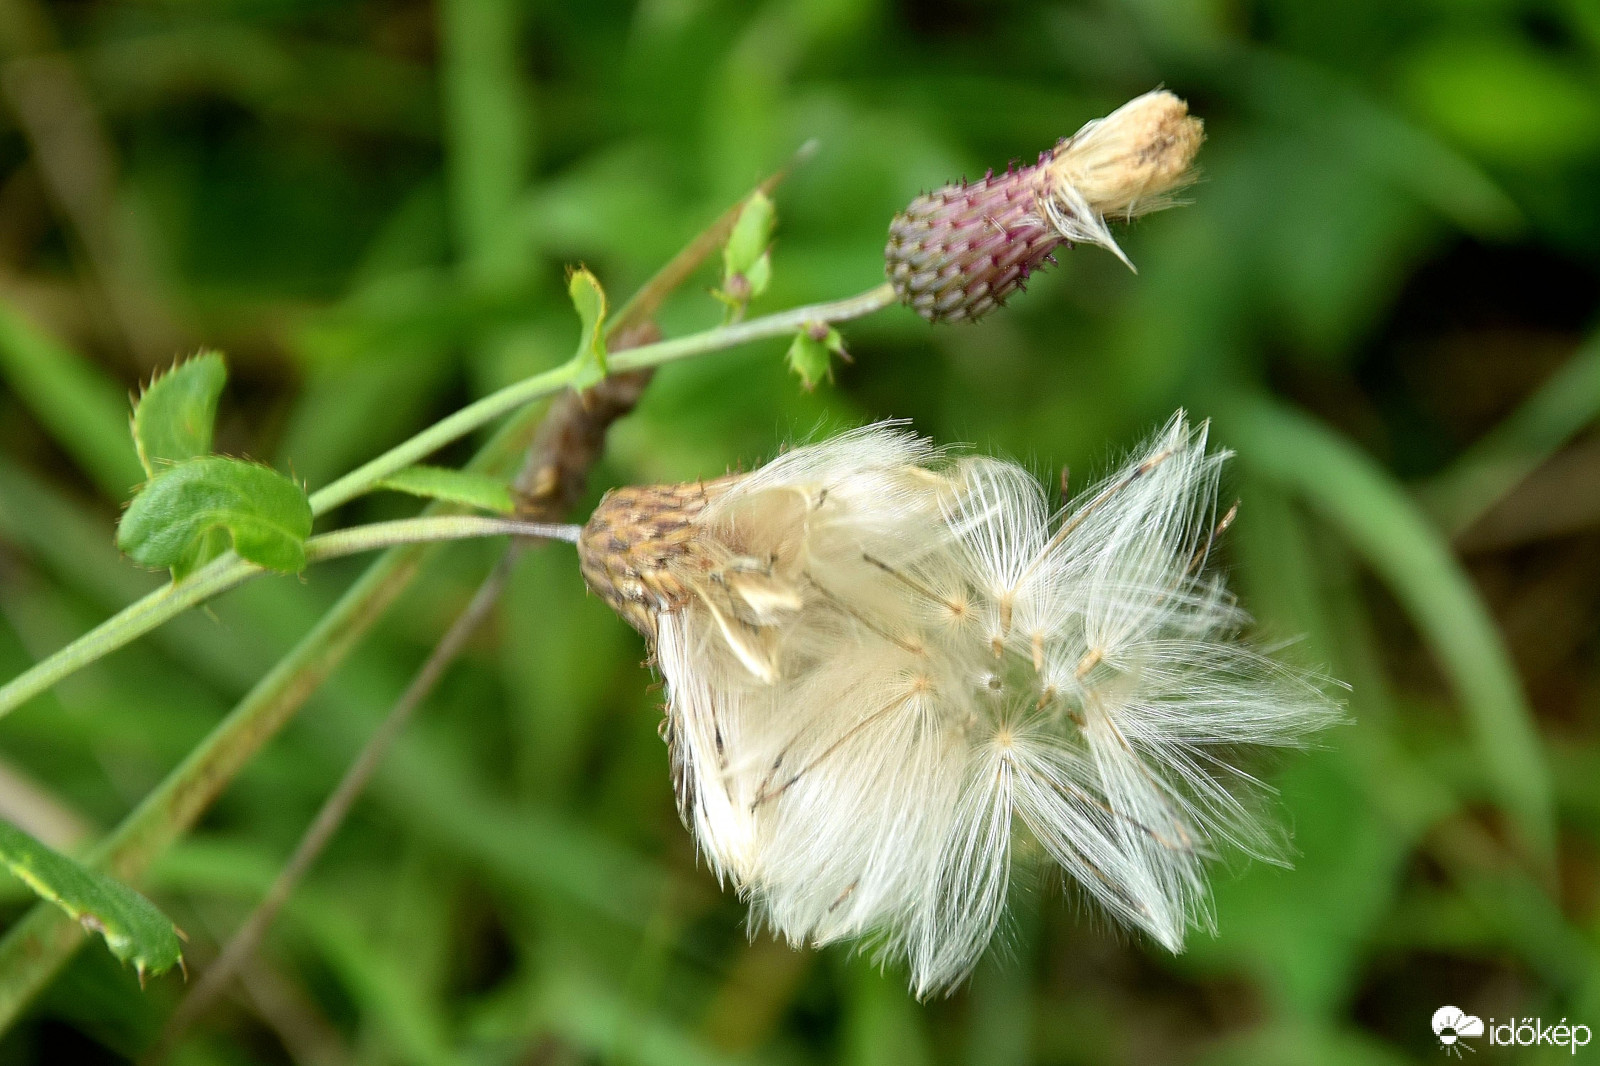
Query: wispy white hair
(893, 675)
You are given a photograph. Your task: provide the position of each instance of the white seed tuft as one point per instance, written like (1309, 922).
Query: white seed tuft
(892, 675)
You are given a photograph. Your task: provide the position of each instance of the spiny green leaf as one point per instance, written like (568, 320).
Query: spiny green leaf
(811, 354)
(133, 928)
(590, 300)
(174, 416)
(264, 513)
(453, 486)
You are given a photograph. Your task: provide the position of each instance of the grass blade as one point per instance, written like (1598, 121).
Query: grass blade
(1391, 534)
(1492, 467)
(83, 410)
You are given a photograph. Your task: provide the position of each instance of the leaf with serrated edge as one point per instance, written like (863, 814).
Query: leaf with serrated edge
(265, 514)
(465, 487)
(590, 300)
(134, 930)
(174, 416)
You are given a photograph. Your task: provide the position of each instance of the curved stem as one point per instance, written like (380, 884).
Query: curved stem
(429, 529)
(138, 618)
(230, 571)
(486, 410)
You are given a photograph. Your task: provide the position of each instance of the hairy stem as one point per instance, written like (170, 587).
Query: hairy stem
(428, 529)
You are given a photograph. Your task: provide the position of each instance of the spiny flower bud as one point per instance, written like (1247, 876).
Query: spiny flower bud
(956, 253)
(893, 676)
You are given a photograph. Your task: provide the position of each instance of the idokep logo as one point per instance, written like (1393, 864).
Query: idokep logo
(1451, 1025)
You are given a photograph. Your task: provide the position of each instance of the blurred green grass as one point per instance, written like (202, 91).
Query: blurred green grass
(1381, 292)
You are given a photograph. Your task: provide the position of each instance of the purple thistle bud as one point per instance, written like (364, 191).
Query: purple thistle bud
(958, 252)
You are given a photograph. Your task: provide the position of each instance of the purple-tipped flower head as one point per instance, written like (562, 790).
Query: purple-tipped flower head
(957, 252)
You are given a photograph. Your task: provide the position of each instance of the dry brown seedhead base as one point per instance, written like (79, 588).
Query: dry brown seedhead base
(637, 543)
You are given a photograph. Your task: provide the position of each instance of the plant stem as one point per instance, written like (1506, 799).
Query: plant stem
(428, 529)
(133, 621)
(229, 571)
(486, 410)
(35, 947)
(242, 945)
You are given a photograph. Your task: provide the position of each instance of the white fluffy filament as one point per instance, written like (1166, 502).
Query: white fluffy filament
(908, 675)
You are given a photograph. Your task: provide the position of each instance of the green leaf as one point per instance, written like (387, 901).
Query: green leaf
(453, 486)
(133, 928)
(746, 262)
(174, 416)
(750, 237)
(265, 514)
(590, 300)
(759, 276)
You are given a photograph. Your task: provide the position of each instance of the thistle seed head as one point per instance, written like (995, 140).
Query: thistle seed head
(958, 252)
(894, 675)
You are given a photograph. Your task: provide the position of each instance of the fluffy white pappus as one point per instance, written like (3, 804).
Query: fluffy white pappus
(900, 676)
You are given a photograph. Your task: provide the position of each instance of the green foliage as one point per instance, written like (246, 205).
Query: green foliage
(79, 404)
(171, 521)
(175, 416)
(134, 930)
(747, 257)
(453, 486)
(1506, 100)
(1391, 533)
(589, 300)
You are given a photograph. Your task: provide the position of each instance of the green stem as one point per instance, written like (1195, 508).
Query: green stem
(428, 529)
(138, 618)
(491, 407)
(34, 948)
(229, 571)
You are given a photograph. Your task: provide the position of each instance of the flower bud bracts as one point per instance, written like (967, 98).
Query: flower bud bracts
(957, 253)
(640, 549)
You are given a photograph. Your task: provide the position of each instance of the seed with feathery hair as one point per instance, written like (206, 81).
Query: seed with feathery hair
(894, 675)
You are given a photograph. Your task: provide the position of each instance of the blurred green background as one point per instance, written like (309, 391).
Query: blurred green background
(1382, 293)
